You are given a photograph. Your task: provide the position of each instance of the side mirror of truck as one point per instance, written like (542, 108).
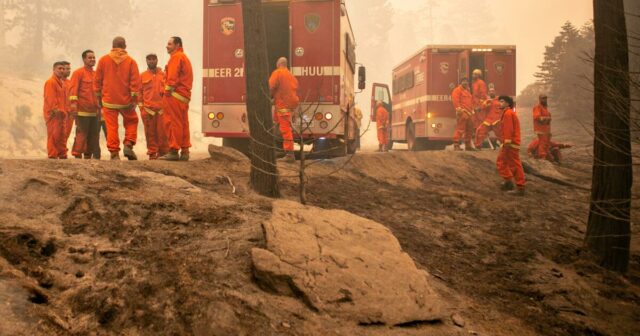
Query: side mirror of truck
(362, 78)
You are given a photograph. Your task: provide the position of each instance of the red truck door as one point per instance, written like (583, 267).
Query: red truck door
(315, 49)
(501, 72)
(223, 59)
(463, 65)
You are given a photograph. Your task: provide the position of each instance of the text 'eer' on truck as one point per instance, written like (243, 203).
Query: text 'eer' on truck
(317, 38)
(421, 112)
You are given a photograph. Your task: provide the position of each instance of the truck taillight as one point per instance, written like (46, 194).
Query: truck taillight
(211, 115)
(220, 115)
(429, 115)
(215, 124)
(318, 116)
(324, 124)
(328, 116)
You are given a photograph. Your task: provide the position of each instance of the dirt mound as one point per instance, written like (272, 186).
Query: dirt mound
(514, 258)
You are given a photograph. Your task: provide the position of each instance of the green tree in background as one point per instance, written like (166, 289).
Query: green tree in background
(567, 71)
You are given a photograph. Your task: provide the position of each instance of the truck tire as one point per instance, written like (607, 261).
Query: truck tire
(413, 143)
(242, 145)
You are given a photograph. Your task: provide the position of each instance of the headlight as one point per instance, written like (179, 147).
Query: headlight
(328, 116)
(429, 115)
(433, 126)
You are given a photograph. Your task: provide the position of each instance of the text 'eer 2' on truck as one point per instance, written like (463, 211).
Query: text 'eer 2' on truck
(317, 38)
(421, 112)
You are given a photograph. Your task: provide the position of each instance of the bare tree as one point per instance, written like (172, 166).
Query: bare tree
(264, 171)
(608, 232)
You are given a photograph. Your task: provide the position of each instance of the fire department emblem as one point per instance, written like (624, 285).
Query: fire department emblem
(228, 26)
(499, 66)
(444, 67)
(312, 22)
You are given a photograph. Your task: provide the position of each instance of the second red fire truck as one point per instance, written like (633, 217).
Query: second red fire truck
(422, 115)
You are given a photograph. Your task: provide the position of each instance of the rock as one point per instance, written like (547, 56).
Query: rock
(458, 320)
(343, 265)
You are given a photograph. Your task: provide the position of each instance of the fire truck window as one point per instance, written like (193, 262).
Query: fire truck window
(351, 52)
(382, 94)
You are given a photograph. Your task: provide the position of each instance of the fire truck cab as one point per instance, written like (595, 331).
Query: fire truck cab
(317, 39)
(422, 114)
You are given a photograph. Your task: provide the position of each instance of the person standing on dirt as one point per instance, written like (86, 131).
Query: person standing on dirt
(84, 106)
(542, 127)
(508, 163)
(150, 105)
(382, 124)
(479, 90)
(71, 117)
(284, 91)
(463, 103)
(175, 102)
(491, 121)
(55, 115)
(117, 85)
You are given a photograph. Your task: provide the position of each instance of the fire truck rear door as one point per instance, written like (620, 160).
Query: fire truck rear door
(463, 65)
(224, 80)
(315, 45)
(501, 72)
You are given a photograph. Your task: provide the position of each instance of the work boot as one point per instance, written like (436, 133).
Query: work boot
(153, 156)
(184, 155)
(77, 156)
(115, 156)
(518, 192)
(129, 153)
(87, 156)
(171, 156)
(380, 148)
(456, 147)
(507, 186)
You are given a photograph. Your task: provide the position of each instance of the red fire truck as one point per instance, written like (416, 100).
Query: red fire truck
(422, 113)
(316, 37)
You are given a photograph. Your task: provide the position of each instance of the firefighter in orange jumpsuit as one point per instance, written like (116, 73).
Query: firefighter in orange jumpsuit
(382, 124)
(54, 112)
(284, 91)
(508, 163)
(542, 126)
(491, 121)
(175, 101)
(553, 155)
(71, 117)
(84, 106)
(479, 90)
(117, 85)
(463, 103)
(150, 105)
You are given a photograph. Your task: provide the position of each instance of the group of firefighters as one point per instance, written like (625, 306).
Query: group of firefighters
(94, 100)
(479, 111)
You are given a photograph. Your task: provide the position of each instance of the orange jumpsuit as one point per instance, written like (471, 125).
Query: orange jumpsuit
(55, 117)
(491, 122)
(382, 124)
(542, 127)
(284, 87)
(479, 97)
(463, 103)
(71, 116)
(554, 150)
(508, 163)
(85, 108)
(175, 103)
(152, 114)
(118, 83)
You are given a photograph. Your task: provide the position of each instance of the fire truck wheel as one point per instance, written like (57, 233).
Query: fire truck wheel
(239, 144)
(411, 136)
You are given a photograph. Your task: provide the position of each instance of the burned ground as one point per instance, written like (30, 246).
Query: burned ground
(164, 248)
